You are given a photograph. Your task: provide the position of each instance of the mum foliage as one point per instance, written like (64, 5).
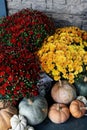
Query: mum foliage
(25, 28)
(20, 35)
(64, 54)
(19, 72)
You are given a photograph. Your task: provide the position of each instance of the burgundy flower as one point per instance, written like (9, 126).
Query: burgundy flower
(2, 91)
(10, 78)
(26, 27)
(19, 73)
(21, 34)
(5, 85)
(1, 79)
(2, 73)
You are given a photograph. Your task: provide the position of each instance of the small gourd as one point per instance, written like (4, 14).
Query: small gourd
(7, 110)
(29, 128)
(26, 128)
(83, 99)
(77, 108)
(63, 92)
(35, 109)
(18, 122)
(58, 113)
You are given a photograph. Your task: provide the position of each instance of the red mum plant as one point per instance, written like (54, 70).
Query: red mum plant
(19, 73)
(26, 28)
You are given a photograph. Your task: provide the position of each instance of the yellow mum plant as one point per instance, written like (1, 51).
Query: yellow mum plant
(64, 54)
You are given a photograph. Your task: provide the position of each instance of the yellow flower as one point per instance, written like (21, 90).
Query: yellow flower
(55, 72)
(71, 77)
(63, 54)
(86, 67)
(50, 38)
(52, 47)
(85, 59)
(56, 78)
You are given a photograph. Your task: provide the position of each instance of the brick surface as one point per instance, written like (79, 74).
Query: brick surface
(73, 2)
(84, 25)
(72, 11)
(41, 5)
(83, 0)
(59, 1)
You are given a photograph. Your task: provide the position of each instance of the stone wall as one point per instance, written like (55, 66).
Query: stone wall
(64, 12)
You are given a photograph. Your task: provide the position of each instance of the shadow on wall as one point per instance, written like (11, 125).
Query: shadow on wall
(62, 23)
(84, 19)
(79, 20)
(84, 13)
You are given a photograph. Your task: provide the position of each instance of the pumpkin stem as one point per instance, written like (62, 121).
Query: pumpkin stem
(85, 79)
(59, 107)
(30, 101)
(60, 83)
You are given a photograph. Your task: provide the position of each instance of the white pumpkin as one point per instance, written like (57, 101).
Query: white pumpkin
(83, 99)
(34, 109)
(18, 122)
(26, 128)
(29, 128)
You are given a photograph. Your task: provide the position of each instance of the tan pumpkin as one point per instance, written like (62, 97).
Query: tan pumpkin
(58, 113)
(65, 89)
(77, 108)
(6, 112)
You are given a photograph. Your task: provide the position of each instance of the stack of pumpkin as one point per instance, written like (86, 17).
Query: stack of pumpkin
(67, 102)
(34, 110)
(63, 57)
(30, 111)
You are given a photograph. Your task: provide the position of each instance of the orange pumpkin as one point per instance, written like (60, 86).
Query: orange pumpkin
(6, 112)
(58, 113)
(77, 108)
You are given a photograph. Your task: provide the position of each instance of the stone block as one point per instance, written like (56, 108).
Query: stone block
(49, 5)
(76, 9)
(83, 0)
(13, 5)
(39, 5)
(84, 25)
(73, 2)
(58, 2)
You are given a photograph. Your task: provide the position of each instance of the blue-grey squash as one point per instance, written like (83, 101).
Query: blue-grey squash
(34, 109)
(81, 85)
